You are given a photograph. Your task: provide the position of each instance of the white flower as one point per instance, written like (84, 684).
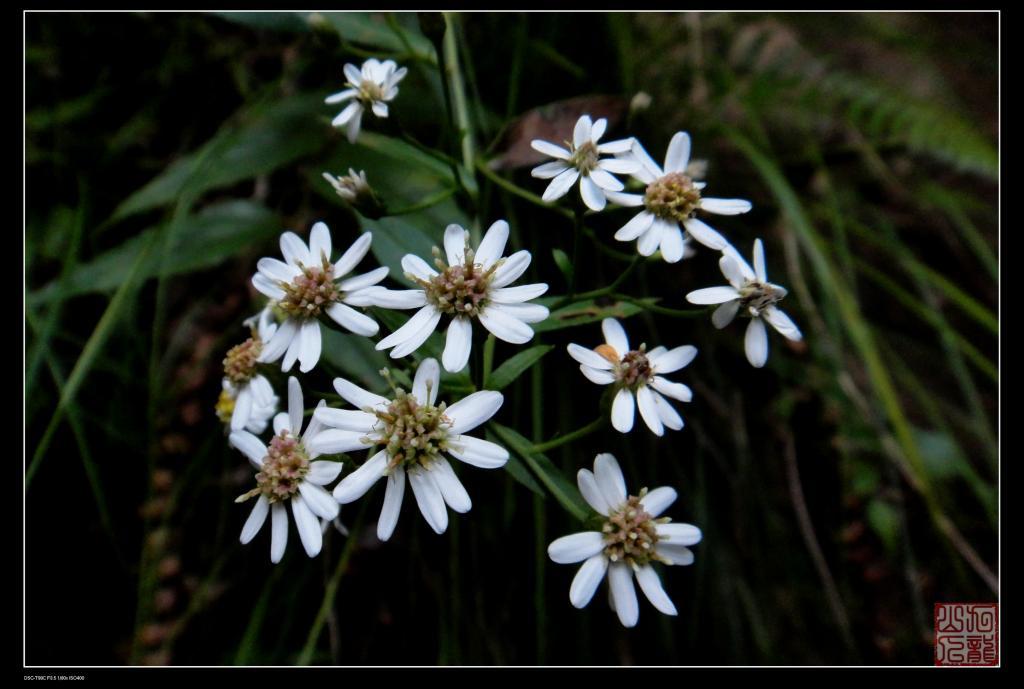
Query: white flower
(750, 290)
(350, 186)
(631, 538)
(288, 474)
(582, 161)
(370, 88)
(472, 284)
(247, 399)
(305, 285)
(636, 372)
(672, 199)
(414, 435)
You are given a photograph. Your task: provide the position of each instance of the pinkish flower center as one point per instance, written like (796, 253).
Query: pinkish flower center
(240, 362)
(283, 470)
(414, 433)
(630, 533)
(462, 289)
(672, 197)
(310, 292)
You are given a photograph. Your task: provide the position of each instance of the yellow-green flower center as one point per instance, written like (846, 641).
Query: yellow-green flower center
(584, 158)
(630, 533)
(672, 197)
(459, 290)
(413, 433)
(283, 470)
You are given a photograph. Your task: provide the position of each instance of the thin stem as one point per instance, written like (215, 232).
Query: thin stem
(425, 203)
(517, 190)
(577, 230)
(663, 310)
(594, 425)
(604, 291)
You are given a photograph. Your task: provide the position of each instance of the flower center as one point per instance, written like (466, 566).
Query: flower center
(240, 362)
(756, 296)
(311, 291)
(633, 370)
(414, 433)
(225, 406)
(672, 197)
(283, 470)
(461, 289)
(630, 533)
(585, 157)
(370, 91)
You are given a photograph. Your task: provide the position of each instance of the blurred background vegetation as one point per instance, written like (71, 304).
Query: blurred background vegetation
(842, 490)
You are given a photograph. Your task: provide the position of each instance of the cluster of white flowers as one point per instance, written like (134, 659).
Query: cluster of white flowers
(410, 434)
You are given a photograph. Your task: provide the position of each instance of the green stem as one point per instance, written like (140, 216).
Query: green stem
(594, 425)
(517, 190)
(425, 203)
(663, 310)
(604, 291)
(577, 230)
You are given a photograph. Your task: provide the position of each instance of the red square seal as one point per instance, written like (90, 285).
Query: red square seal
(966, 634)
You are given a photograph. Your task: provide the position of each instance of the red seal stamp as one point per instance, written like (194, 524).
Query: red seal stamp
(966, 633)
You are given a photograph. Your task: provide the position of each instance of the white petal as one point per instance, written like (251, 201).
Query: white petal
(651, 239)
(452, 490)
(729, 252)
(649, 410)
(676, 554)
(511, 268)
(755, 343)
(672, 245)
(703, 233)
(340, 96)
(669, 416)
(548, 148)
(416, 330)
(315, 426)
(659, 500)
(250, 446)
(640, 154)
(504, 326)
(623, 408)
(291, 355)
(650, 584)
(320, 243)
(323, 472)
(346, 115)
(592, 492)
(319, 500)
(549, 170)
(334, 441)
(476, 452)
(605, 181)
(620, 581)
(560, 185)
(278, 531)
(492, 246)
(615, 335)
(429, 499)
(725, 206)
(597, 376)
(473, 410)
(617, 146)
(243, 407)
(345, 419)
(355, 485)
(358, 282)
(352, 131)
(576, 547)
(427, 381)
(309, 345)
(295, 406)
(678, 156)
(388, 298)
(380, 108)
(598, 129)
(609, 479)
(759, 269)
(591, 193)
(676, 391)
(457, 345)
(678, 534)
(619, 166)
(267, 287)
(281, 423)
(353, 74)
(255, 521)
(625, 200)
(392, 507)
(581, 132)
(712, 295)
(455, 244)
(280, 342)
(673, 359)
(587, 579)
(640, 223)
(294, 250)
(781, 322)
(527, 313)
(357, 396)
(307, 526)
(417, 267)
(724, 314)
(355, 253)
(278, 271)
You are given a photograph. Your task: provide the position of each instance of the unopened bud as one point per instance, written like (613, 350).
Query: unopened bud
(357, 192)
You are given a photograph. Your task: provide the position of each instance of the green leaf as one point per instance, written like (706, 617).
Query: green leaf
(588, 311)
(267, 137)
(515, 366)
(371, 29)
(563, 263)
(206, 239)
(277, 21)
(564, 491)
(355, 358)
(884, 521)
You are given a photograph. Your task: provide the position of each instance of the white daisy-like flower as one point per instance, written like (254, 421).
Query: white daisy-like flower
(369, 88)
(288, 474)
(581, 161)
(631, 538)
(750, 291)
(639, 373)
(305, 285)
(414, 435)
(470, 284)
(247, 399)
(670, 203)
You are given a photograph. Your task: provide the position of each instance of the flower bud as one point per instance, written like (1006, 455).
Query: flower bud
(357, 192)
